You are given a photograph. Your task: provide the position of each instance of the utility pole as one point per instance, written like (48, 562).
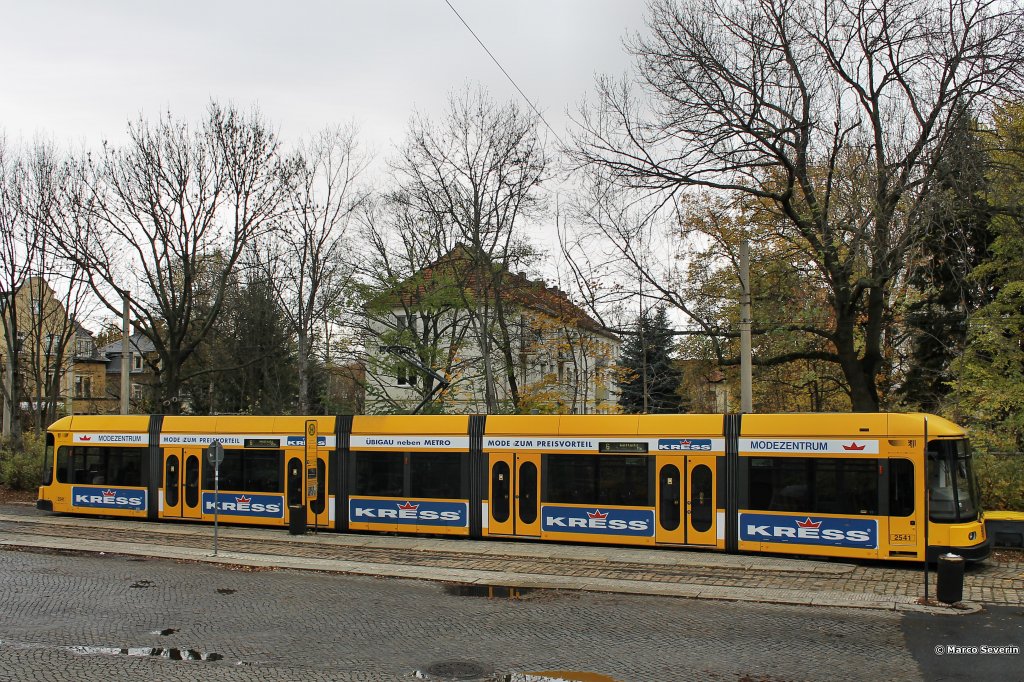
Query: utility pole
(8, 391)
(125, 357)
(746, 354)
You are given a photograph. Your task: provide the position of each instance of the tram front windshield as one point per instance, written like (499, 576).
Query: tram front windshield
(954, 492)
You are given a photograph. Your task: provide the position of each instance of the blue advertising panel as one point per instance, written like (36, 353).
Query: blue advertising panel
(409, 512)
(685, 444)
(108, 498)
(243, 504)
(809, 530)
(632, 522)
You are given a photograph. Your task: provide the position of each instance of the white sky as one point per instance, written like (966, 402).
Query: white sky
(76, 71)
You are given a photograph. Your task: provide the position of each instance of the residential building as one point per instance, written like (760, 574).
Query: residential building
(58, 369)
(546, 355)
(142, 361)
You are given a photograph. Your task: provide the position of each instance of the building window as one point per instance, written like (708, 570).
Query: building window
(83, 386)
(136, 391)
(83, 347)
(137, 362)
(406, 376)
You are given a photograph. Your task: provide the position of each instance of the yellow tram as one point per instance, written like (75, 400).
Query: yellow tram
(834, 485)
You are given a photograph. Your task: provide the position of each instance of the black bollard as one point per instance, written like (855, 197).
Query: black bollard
(950, 583)
(296, 519)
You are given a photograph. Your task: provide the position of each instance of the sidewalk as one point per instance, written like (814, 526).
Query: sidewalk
(520, 565)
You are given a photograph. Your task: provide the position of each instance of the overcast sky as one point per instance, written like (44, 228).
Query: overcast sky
(77, 71)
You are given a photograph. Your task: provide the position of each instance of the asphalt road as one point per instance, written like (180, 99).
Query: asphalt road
(67, 616)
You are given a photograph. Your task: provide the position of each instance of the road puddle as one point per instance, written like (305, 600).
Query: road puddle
(164, 632)
(469, 670)
(558, 676)
(170, 653)
(488, 591)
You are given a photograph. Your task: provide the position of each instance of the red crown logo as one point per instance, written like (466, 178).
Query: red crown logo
(597, 514)
(85, 438)
(685, 443)
(108, 493)
(808, 523)
(853, 446)
(409, 506)
(242, 499)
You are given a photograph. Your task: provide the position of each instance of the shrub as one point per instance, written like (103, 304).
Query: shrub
(21, 469)
(1001, 479)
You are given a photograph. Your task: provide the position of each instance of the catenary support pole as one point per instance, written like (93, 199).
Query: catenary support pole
(746, 355)
(125, 366)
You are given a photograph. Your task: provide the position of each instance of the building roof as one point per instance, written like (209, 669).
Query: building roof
(137, 343)
(451, 269)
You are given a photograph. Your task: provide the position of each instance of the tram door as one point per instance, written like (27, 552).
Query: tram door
(686, 500)
(514, 489)
(671, 525)
(182, 497)
(700, 500)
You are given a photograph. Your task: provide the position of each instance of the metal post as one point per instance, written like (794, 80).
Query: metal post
(125, 368)
(215, 455)
(746, 354)
(927, 510)
(8, 393)
(216, 505)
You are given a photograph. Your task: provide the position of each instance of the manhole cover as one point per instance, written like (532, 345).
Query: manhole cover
(454, 670)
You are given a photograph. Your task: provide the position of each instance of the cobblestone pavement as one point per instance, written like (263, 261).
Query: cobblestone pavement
(91, 617)
(999, 580)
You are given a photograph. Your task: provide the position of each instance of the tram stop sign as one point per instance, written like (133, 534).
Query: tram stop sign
(215, 453)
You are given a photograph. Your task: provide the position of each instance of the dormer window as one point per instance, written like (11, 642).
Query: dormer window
(137, 362)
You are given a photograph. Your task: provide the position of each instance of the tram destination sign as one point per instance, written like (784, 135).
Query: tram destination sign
(624, 447)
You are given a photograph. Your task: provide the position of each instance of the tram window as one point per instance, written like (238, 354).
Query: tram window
(571, 479)
(172, 480)
(191, 481)
(257, 471)
(825, 488)
(436, 474)
(48, 461)
(813, 485)
(901, 487)
(599, 479)
(953, 489)
(779, 484)
(101, 466)
(501, 487)
(62, 465)
(378, 474)
(859, 486)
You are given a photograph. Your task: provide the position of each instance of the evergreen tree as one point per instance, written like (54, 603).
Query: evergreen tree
(249, 360)
(957, 219)
(650, 368)
(989, 386)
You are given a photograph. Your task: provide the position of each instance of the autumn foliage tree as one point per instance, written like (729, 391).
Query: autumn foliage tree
(831, 114)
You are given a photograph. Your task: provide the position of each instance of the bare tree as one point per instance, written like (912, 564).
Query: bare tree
(411, 298)
(17, 242)
(831, 114)
(44, 296)
(477, 173)
(309, 256)
(167, 217)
